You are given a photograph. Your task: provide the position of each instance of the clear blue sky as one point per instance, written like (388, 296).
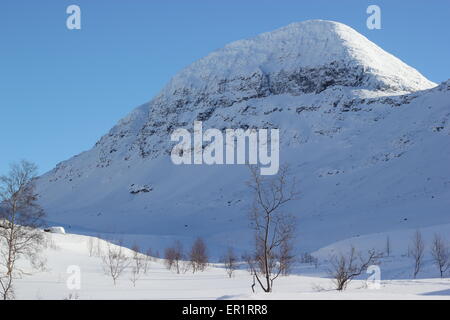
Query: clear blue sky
(61, 90)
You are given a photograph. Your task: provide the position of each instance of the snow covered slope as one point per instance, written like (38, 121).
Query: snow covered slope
(69, 252)
(367, 136)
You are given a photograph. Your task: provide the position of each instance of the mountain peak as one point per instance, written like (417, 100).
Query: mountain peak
(304, 45)
(348, 133)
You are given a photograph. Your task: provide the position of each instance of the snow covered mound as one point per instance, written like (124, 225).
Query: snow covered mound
(366, 135)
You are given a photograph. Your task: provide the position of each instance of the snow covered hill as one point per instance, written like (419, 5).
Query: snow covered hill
(69, 252)
(366, 135)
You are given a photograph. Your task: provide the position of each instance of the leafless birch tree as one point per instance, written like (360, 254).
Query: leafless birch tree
(346, 266)
(138, 264)
(416, 251)
(20, 218)
(173, 256)
(273, 228)
(388, 246)
(198, 255)
(441, 254)
(115, 261)
(230, 261)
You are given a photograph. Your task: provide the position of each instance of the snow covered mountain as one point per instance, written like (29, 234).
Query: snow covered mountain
(367, 136)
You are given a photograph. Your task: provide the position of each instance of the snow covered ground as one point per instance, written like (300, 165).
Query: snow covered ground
(309, 282)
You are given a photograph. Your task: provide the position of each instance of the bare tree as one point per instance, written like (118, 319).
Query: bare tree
(230, 261)
(135, 275)
(90, 246)
(441, 254)
(345, 267)
(309, 258)
(417, 251)
(150, 255)
(169, 257)
(287, 258)
(198, 255)
(94, 246)
(138, 264)
(20, 218)
(137, 257)
(273, 229)
(115, 261)
(388, 246)
(173, 256)
(147, 259)
(98, 252)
